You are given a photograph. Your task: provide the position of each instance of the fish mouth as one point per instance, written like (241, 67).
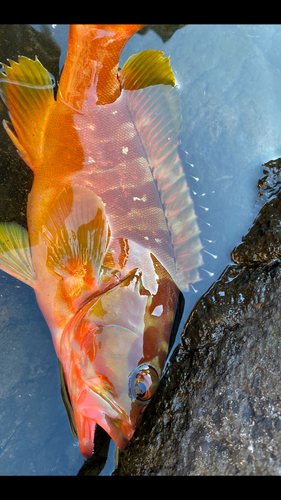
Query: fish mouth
(103, 410)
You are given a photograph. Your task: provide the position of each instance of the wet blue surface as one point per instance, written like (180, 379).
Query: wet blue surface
(229, 82)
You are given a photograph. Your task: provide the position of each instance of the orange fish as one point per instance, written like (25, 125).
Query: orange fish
(112, 234)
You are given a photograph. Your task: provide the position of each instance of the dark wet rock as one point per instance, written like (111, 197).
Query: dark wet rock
(23, 40)
(263, 242)
(218, 408)
(270, 184)
(165, 31)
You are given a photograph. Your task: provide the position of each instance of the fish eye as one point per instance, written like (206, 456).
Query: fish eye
(143, 382)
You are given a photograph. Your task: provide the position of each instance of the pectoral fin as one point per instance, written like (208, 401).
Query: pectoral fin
(15, 255)
(77, 234)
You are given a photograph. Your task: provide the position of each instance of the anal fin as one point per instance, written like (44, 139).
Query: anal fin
(15, 255)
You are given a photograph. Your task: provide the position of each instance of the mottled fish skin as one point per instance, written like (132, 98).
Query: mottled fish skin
(111, 225)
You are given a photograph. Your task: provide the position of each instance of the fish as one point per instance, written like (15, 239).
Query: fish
(112, 238)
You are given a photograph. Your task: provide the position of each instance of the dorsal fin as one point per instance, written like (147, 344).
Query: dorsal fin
(77, 234)
(26, 88)
(157, 118)
(146, 68)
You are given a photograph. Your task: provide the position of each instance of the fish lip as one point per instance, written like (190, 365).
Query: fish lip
(91, 396)
(112, 403)
(108, 414)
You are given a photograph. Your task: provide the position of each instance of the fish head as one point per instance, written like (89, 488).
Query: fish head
(113, 352)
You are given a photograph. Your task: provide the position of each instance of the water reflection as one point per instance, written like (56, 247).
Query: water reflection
(229, 83)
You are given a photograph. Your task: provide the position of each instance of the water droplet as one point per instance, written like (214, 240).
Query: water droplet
(212, 255)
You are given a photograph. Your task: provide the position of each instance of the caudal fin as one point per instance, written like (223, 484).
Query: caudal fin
(92, 61)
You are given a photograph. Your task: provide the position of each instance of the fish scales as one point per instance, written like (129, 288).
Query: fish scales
(128, 189)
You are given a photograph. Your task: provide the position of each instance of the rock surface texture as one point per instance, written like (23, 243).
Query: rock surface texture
(218, 409)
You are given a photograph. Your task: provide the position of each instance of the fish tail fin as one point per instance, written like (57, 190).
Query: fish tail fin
(92, 60)
(26, 88)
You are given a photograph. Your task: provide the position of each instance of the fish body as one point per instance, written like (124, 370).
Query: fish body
(112, 234)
